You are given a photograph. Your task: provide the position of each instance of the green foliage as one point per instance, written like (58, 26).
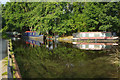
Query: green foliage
(5, 36)
(5, 73)
(61, 17)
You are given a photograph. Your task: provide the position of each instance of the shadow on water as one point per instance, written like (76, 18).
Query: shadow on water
(51, 59)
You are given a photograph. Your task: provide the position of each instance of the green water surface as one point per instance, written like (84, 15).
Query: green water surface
(64, 61)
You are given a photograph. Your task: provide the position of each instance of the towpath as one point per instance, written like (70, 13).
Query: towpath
(3, 59)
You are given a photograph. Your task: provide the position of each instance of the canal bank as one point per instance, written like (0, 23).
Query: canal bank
(8, 65)
(13, 69)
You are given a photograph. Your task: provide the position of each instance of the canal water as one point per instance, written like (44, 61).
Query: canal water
(54, 59)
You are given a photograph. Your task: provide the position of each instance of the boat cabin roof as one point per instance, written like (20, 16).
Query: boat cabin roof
(30, 31)
(95, 32)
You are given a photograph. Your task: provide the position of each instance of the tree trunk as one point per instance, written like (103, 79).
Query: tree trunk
(30, 28)
(78, 30)
(63, 34)
(68, 6)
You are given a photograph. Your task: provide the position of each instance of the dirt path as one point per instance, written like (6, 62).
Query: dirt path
(4, 68)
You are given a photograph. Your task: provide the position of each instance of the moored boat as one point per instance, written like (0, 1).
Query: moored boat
(94, 35)
(32, 35)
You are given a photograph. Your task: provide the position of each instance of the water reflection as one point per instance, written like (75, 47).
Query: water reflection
(52, 59)
(15, 38)
(93, 46)
(34, 42)
(49, 44)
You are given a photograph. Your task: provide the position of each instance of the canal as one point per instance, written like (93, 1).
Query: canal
(54, 59)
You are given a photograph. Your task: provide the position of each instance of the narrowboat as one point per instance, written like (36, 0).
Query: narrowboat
(94, 46)
(94, 36)
(32, 35)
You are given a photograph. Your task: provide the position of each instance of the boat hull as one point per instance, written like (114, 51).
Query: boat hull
(33, 37)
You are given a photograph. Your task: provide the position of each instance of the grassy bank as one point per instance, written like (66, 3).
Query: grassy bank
(4, 67)
(65, 38)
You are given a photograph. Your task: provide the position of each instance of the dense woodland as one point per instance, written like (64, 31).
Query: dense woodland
(63, 18)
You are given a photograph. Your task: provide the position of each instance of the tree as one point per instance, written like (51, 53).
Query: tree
(62, 18)
(101, 16)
